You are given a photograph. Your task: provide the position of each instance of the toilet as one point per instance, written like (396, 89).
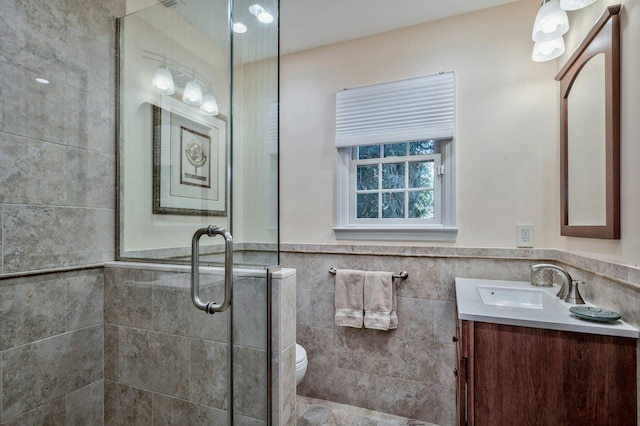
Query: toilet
(301, 363)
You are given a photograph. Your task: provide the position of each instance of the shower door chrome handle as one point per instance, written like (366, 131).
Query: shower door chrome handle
(212, 307)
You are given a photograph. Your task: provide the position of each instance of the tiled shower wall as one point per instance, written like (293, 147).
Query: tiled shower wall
(57, 198)
(410, 371)
(57, 140)
(51, 349)
(166, 362)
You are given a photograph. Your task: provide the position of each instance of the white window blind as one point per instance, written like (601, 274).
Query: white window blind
(405, 110)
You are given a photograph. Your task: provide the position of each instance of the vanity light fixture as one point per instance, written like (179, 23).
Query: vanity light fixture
(551, 22)
(547, 50)
(172, 75)
(192, 94)
(209, 105)
(575, 4)
(163, 81)
(261, 14)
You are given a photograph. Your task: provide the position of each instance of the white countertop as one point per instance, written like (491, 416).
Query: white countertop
(553, 315)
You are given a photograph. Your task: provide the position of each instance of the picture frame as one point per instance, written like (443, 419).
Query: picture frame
(189, 161)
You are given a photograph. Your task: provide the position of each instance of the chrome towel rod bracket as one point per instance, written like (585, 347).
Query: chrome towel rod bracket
(401, 274)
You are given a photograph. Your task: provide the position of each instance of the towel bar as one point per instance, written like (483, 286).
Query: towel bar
(401, 274)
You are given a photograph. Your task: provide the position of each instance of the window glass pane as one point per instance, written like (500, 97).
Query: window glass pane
(422, 147)
(421, 204)
(395, 150)
(393, 205)
(393, 176)
(421, 174)
(367, 206)
(367, 177)
(369, 151)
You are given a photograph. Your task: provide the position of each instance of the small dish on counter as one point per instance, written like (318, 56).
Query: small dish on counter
(594, 313)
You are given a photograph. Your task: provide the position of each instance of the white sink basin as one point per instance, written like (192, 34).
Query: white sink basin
(521, 304)
(530, 298)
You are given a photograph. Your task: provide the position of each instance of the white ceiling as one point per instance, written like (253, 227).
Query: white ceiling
(305, 24)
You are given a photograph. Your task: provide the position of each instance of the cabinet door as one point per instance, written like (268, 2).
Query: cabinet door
(530, 376)
(465, 372)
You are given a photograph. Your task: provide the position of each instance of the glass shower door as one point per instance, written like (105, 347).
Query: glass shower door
(198, 146)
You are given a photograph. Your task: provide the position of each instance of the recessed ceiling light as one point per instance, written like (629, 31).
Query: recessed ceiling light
(42, 80)
(239, 27)
(256, 9)
(265, 17)
(259, 12)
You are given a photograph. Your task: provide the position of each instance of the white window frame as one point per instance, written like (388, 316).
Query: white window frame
(405, 159)
(421, 108)
(348, 227)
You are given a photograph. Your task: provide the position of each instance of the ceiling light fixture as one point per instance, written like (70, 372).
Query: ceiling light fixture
(261, 14)
(547, 50)
(575, 4)
(42, 80)
(551, 22)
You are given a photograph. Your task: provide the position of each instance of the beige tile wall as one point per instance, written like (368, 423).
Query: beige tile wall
(166, 359)
(53, 326)
(57, 141)
(409, 371)
(51, 349)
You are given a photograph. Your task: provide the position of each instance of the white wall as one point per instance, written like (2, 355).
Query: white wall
(141, 229)
(507, 125)
(627, 249)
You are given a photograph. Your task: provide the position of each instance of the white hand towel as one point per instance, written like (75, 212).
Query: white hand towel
(379, 301)
(349, 298)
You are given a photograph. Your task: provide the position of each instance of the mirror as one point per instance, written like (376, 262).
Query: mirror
(586, 172)
(590, 133)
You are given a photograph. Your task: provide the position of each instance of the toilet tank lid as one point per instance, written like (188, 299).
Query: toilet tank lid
(301, 353)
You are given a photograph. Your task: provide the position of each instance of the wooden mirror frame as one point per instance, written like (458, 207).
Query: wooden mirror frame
(604, 37)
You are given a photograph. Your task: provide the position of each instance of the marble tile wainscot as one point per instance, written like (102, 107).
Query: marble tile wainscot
(51, 348)
(166, 362)
(409, 371)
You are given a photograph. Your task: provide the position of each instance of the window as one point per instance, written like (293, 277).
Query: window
(391, 188)
(395, 181)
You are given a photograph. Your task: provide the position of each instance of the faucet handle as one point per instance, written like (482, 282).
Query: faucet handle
(574, 295)
(542, 277)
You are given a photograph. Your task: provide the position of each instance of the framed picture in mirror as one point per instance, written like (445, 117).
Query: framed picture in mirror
(189, 162)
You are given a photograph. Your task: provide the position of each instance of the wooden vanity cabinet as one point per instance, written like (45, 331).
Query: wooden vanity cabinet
(509, 375)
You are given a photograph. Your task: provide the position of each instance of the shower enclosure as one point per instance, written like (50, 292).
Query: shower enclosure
(198, 147)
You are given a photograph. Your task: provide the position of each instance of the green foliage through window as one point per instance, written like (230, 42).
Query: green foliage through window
(396, 181)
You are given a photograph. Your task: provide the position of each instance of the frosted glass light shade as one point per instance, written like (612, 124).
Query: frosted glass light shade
(209, 105)
(575, 4)
(551, 22)
(192, 94)
(548, 50)
(163, 82)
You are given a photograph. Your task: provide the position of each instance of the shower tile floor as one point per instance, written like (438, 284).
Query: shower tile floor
(317, 412)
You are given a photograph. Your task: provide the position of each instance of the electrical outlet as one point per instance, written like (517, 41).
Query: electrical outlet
(524, 235)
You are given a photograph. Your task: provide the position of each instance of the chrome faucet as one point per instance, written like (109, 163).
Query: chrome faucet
(574, 295)
(566, 278)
